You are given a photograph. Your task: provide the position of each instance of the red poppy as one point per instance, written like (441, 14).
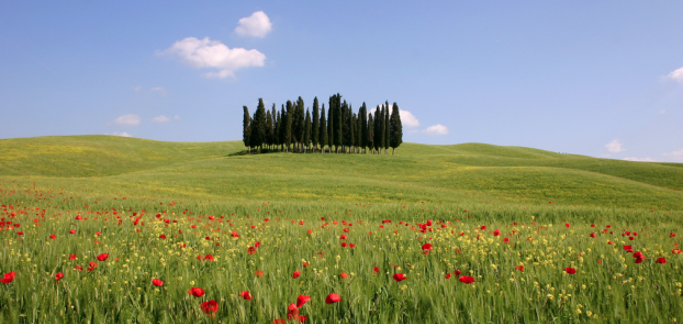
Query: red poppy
(456, 272)
(72, 257)
(157, 282)
(209, 307)
(520, 268)
(661, 260)
(234, 234)
(78, 268)
(301, 300)
(20, 233)
(482, 228)
(466, 279)
(296, 274)
(672, 235)
(448, 276)
(427, 247)
(93, 265)
(208, 257)
(332, 298)
(196, 291)
(570, 270)
(246, 295)
(103, 257)
(506, 240)
(343, 244)
(257, 244)
(59, 276)
(343, 275)
(251, 250)
(375, 270)
(342, 237)
(72, 231)
(567, 225)
(8, 277)
(592, 235)
(279, 321)
(496, 232)
(676, 251)
(52, 236)
(400, 277)
(162, 236)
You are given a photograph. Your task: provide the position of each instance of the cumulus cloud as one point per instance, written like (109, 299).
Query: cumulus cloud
(647, 159)
(407, 118)
(437, 129)
(127, 120)
(160, 90)
(205, 53)
(615, 147)
(678, 153)
(256, 25)
(161, 119)
(122, 134)
(676, 75)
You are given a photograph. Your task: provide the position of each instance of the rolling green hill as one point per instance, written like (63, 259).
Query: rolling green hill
(457, 174)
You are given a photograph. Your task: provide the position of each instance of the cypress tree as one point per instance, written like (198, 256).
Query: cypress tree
(330, 122)
(301, 116)
(258, 126)
(386, 128)
(370, 134)
(323, 131)
(379, 130)
(396, 129)
(245, 129)
(359, 134)
(346, 129)
(274, 126)
(269, 129)
(277, 131)
(338, 124)
(288, 125)
(307, 130)
(283, 127)
(352, 130)
(315, 127)
(363, 126)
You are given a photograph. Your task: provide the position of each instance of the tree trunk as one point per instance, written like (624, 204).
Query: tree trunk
(393, 150)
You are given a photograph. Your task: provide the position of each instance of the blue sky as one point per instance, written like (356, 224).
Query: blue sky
(603, 79)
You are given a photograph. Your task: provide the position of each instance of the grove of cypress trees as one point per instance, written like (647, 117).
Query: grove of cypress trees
(370, 134)
(245, 129)
(323, 131)
(396, 132)
(315, 127)
(307, 130)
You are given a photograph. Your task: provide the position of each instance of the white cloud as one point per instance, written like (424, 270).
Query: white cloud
(256, 25)
(176, 117)
(407, 118)
(161, 119)
(676, 75)
(160, 90)
(615, 147)
(205, 53)
(678, 153)
(437, 129)
(127, 120)
(647, 159)
(122, 134)
(138, 88)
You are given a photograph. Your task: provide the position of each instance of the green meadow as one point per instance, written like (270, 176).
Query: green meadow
(555, 210)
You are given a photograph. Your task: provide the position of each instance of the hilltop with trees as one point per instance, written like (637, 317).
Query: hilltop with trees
(339, 129)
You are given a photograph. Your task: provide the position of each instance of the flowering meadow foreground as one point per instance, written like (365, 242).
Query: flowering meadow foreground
(269, 263)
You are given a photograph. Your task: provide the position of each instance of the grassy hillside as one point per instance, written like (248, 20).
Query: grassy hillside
(458, 174)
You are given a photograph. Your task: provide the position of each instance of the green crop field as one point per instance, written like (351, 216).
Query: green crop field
(88, 223)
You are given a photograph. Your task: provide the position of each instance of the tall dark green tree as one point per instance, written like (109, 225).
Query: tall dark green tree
(363, 129)
(269, 129)
(307, 130)
(277, 131)
(288, 125)
(258, 126)
(315, 127)
(359, 134)
(387, 132)
(330, 122)
(274, 125)
(352, 130)
(300, 116)
(346, 138)
(245, 129)
(338, 124)
(323, 130)
(396, 132)
(283, 127)
(379, 129)
(371, 134)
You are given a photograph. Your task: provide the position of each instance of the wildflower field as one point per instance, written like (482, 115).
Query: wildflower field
(173, 244)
